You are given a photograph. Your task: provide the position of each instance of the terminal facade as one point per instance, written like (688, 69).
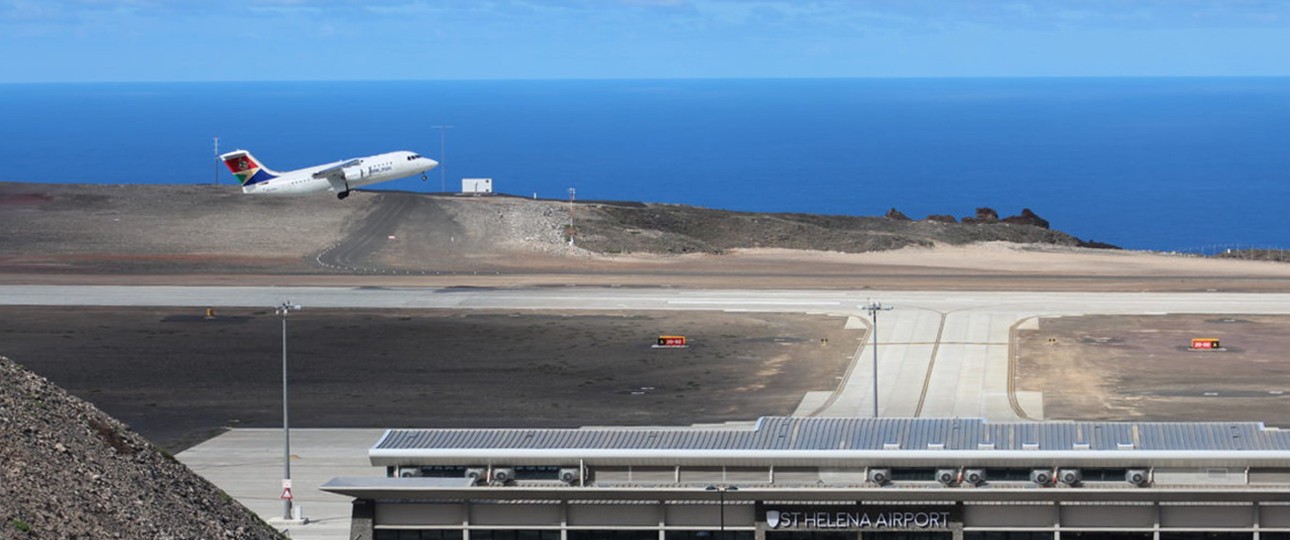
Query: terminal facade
(830, 478)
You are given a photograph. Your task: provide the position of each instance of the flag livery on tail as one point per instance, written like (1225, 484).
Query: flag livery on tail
(246, 168)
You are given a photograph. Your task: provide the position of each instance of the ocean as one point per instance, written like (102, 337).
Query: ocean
(1153, 163)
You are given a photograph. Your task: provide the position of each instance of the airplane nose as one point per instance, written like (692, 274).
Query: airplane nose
(432, 163)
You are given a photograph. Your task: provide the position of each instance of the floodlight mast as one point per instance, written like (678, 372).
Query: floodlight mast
(873, 308)
(283, 310)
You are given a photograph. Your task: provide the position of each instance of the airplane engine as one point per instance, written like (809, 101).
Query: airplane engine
(353, 173)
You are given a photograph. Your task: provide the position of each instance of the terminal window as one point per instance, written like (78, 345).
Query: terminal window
(1007, 535)
(812, 535)
(913, 475)
(417, 534)
(710, 535)
(909, 535)
(651, 534)
(515, 534)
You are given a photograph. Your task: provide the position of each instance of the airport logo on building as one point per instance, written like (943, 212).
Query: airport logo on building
(859, 518)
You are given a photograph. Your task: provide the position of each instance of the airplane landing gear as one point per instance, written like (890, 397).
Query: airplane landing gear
(424, 177)
(342, 195)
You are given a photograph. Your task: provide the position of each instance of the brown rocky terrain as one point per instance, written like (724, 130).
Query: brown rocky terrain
(67, 470)
(1140, 367)
(120, 228)
(665, 228)
(191, 234)
(195, 228)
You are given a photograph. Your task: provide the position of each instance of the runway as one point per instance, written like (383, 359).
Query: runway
(940, 354)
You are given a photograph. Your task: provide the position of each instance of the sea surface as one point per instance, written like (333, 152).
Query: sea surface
(1153, 163)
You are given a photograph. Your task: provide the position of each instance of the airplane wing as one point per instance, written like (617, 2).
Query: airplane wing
(335, 175)
(336, 170)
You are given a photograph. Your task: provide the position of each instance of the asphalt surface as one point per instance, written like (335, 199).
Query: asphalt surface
(939, 353)
(177, 376)
(353, 253)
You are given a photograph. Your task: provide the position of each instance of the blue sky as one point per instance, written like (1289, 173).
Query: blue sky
(234, 40)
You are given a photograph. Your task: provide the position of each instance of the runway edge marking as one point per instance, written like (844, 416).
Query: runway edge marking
(1013, 351)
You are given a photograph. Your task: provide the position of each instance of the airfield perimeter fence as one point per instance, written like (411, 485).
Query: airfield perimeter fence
(1247, 252)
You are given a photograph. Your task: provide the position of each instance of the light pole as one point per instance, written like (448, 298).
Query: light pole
(216, 177)
(873, 308)
(284, 309)
(721, 494)
(571, 194)
(443, 185)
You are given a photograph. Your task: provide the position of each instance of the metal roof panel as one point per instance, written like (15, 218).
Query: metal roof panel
(860, 434)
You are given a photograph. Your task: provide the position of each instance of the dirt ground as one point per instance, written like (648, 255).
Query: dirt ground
(177, 377)
(1104, 367)
(188, 235)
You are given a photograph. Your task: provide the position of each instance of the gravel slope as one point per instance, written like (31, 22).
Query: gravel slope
(67, 470)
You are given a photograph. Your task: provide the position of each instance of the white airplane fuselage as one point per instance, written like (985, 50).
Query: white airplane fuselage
(339, 177)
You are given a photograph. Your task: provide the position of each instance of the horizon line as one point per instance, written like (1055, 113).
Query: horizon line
(610, 79)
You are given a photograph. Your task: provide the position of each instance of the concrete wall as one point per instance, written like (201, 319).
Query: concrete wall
(1010, 515)
(419, 514)
(1103, 516)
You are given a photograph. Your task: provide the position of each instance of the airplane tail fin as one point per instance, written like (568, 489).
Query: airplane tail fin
(246, 168)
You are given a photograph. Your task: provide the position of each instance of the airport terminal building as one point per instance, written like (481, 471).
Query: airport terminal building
(830, 478)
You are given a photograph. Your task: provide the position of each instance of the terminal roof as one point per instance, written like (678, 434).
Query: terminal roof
(771, 434)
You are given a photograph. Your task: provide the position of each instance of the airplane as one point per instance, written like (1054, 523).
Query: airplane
(339, 177)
